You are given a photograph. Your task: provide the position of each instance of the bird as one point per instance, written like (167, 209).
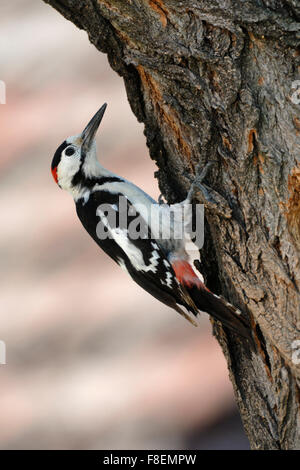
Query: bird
(158, 264)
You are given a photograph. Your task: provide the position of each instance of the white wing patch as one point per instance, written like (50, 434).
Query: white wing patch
(132, 251)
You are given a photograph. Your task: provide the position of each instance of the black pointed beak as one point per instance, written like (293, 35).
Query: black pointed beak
(90, 130)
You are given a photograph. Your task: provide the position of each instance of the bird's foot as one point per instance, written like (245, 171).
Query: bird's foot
(197, 185)
(212, 200)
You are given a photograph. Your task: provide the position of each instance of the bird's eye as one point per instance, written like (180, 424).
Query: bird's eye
(69, 151)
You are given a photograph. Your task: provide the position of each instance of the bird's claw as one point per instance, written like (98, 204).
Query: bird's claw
(198, 186)
(210, 198)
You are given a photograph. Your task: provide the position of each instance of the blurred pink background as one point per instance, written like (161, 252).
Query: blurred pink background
(93, 361)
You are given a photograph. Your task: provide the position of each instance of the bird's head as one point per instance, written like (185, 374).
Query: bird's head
(76, 157)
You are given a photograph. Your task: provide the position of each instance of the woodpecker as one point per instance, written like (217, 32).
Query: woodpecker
(160, 266)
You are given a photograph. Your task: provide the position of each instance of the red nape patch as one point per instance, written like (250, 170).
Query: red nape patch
(186, 275)
(54, 174)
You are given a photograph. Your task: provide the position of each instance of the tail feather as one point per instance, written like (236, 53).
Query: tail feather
(206, 301)
(220, 309)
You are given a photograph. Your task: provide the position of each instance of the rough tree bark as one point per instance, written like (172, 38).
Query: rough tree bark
(217, 80)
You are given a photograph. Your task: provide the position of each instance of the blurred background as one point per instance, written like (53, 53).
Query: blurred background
(93, 361)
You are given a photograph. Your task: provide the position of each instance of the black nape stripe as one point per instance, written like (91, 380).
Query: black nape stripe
(57, 155)
(89, 182)
(109, 179)
(78, 177)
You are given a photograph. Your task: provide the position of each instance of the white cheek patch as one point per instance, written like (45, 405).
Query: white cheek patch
(67, 168)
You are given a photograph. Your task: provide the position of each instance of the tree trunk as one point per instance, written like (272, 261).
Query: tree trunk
(219, 81)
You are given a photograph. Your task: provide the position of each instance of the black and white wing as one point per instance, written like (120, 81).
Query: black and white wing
(141, 257)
